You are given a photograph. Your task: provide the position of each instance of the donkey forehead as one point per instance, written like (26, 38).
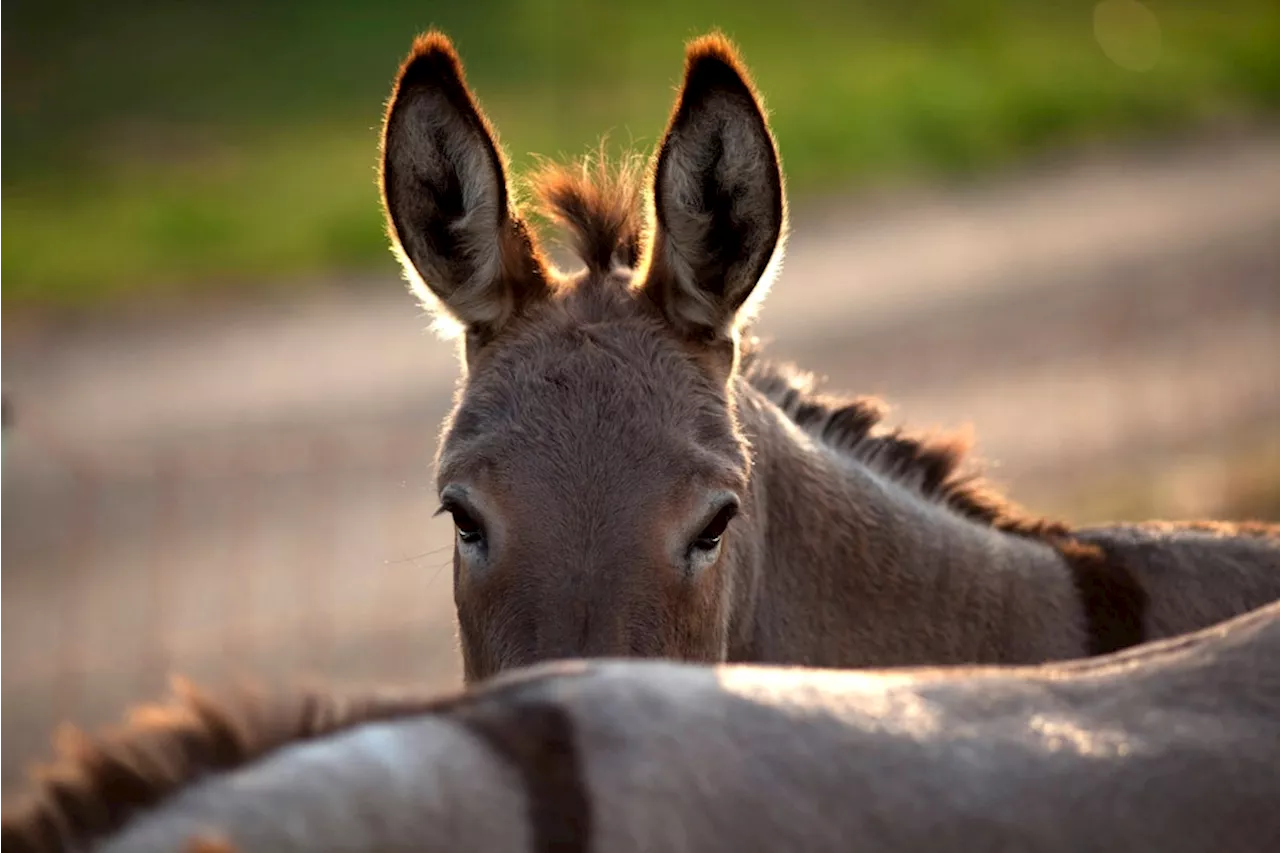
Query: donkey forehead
(587, 401)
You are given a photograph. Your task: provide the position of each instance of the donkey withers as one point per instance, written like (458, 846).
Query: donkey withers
(1172, 746)
(629, 477)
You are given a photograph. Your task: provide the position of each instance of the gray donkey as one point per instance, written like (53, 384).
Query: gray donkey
(629, 477)
(1171, 746)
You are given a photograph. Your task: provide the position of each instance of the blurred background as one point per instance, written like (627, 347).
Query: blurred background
(1053, 224)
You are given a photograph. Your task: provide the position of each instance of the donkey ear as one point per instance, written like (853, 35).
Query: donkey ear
(717, 196)
(444, 189)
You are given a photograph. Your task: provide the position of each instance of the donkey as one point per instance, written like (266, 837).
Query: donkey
(1173, 745)
(629, 476)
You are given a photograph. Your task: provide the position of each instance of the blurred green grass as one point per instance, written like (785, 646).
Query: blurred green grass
(156, 146)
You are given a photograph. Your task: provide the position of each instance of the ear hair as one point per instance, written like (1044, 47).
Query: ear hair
(718, 202)
(447, 199)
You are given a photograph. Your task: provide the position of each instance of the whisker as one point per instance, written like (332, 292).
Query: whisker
(439, 569)
(416, 557)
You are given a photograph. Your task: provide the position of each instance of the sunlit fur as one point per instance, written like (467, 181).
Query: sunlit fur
(602, 409)
(1171, 746)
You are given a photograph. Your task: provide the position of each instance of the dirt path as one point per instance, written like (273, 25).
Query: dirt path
(251, 489)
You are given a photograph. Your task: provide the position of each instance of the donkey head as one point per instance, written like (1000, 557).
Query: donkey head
(593, 464)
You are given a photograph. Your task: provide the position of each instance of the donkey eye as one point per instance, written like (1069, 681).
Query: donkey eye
(469, 530)
(709, 538)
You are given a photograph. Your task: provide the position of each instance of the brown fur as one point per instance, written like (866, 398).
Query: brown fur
(935, 465)
(95, 785)
(1170, 746)
(718, 201)
(598, 203)
(538, 740)
(610, 418)
(209, 844)
(437, 197)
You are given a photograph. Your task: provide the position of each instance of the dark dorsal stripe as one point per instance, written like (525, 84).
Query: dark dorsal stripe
(537, 739)
(98, 784)
(1115, 604)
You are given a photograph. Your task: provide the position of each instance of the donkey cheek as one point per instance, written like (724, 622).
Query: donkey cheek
(694, 622)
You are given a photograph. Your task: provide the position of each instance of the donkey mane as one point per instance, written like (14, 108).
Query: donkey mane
(935, 465)
(599, 204)
(96, 784)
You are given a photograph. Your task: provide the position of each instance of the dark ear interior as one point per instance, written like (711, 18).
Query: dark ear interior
(445, 193)
(718, 196)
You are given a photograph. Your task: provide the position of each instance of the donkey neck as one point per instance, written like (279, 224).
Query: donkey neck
(854, 568)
